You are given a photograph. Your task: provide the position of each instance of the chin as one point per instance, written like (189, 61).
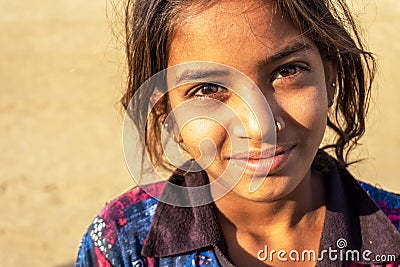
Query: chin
(272, 189)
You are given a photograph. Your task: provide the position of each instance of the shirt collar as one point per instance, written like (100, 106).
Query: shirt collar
(351, 215)
(175, 230)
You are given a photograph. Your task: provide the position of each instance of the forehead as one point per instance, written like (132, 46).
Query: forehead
(227, 30)
(225, 13)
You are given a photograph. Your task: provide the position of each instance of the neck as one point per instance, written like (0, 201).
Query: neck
(300, 208)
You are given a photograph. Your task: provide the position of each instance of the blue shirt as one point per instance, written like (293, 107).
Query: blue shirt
(137, 230)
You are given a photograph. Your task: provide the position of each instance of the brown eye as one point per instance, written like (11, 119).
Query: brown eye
(207, 90)
(288, 71)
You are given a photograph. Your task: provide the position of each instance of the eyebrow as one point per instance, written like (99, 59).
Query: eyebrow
(193, 75)
(287, 51)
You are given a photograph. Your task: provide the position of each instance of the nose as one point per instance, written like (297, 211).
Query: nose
(255, 120)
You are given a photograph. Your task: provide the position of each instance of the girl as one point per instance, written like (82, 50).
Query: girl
(247, 89)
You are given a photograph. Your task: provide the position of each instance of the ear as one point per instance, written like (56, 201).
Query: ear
(162, 110)
(177, 135)
(157, 101)
(330, 68)
(172, 127)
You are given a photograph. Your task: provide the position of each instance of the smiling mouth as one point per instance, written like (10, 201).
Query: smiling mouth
(263, 162)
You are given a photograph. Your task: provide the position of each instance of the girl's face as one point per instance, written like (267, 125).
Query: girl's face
(255, 39)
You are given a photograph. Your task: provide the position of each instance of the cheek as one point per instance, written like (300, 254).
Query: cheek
(205, 136)
(308, 108)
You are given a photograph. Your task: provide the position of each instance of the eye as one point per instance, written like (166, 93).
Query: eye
(207, 90)
(288, 71)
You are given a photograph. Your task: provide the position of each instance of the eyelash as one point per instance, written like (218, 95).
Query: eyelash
(193, 93)
(297, 67)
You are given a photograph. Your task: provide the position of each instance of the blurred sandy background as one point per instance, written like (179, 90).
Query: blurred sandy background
(61, 74)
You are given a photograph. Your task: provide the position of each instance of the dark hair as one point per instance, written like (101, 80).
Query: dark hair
(149, 26)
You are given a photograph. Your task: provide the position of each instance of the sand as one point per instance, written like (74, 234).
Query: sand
(61, 74)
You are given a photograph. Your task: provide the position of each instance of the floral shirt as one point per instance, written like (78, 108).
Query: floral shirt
(361, 228)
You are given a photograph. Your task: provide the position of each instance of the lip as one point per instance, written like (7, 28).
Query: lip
(263, 162)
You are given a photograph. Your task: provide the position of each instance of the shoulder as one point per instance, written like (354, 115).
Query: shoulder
(139, 200)
(363, 194)
(118, 232)
(387, 201)
(382, 197)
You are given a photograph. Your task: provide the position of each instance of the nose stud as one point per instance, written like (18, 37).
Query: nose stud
(278, 126)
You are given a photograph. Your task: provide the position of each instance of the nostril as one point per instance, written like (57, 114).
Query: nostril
(239, 130)
(259, 129)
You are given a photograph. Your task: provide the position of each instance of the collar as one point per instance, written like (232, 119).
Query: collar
(175, 230)
(351, 215)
